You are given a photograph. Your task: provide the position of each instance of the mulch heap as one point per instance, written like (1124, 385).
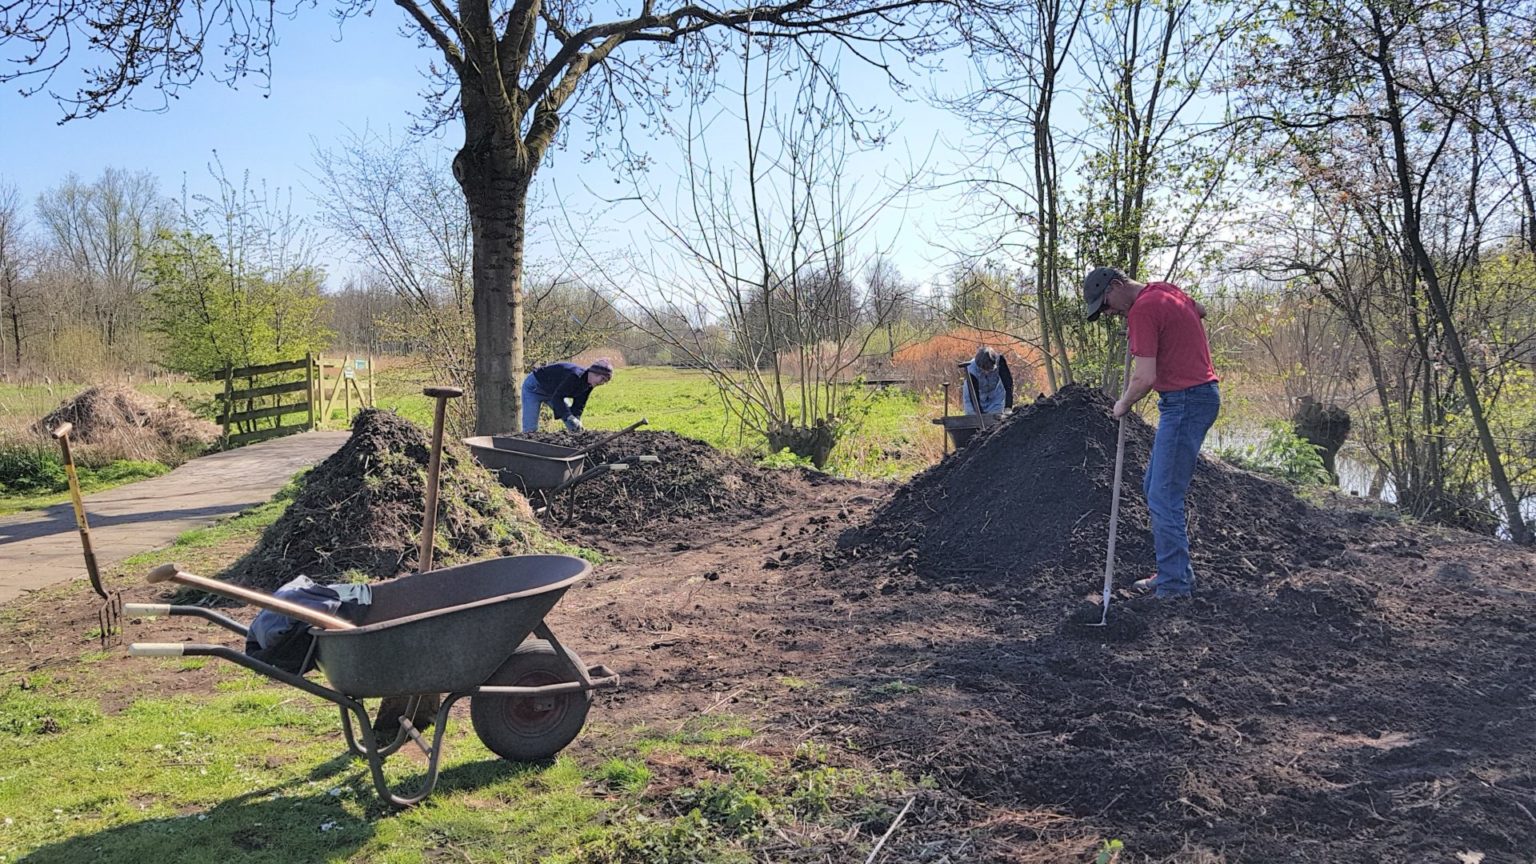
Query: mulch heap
(360, 511)
(132, 423)
(692, 480)
(1342, 687)
(1027, 503)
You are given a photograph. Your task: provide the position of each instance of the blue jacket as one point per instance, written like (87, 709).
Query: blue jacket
(557, 382)
(995, 388)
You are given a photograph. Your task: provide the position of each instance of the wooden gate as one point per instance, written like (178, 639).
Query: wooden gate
(254, 394)
(351, 377)
(246, 406)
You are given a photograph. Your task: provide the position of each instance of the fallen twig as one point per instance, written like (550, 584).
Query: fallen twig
(889, 831)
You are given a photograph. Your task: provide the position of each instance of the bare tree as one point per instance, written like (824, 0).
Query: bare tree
(410, 226)
(1367, 88)
(513, 72)
(768, 252)
(100, 230)
(17, 261)
(1019, 56)
(890, 300)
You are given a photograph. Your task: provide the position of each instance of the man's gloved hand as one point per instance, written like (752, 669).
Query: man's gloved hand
(573, 423)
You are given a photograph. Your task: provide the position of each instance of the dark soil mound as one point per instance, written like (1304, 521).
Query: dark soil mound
(1340, 687)
(692, 480)
(132, 424)
(361, 511)
(1030, 500)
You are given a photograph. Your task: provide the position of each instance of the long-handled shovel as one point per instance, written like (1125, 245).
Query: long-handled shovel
(259, 599)
(421, 709)
(1114, 503)
(945, 430)
(109, 618)
(434, 465)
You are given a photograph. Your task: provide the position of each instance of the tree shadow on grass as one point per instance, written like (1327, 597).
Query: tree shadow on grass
(279, 824)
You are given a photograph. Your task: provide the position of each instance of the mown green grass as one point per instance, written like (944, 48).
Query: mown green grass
(891, 436)
(257, 773)
(111, 476)
(887, 440)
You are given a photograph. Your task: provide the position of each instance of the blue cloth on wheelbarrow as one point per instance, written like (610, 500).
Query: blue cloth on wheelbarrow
(284, 642)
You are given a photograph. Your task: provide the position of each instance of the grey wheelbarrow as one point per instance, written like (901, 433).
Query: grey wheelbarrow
(543, 470)
(474, 630)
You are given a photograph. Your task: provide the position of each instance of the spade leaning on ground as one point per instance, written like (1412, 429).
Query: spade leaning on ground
(1173, 357)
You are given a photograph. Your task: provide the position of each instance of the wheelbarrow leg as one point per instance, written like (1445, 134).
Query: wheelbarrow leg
(401, 735)
(434, 753)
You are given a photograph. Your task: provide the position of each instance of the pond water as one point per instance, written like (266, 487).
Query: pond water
(1357, 472)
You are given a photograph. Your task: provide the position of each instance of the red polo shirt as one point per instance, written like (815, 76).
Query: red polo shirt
(1164, 324)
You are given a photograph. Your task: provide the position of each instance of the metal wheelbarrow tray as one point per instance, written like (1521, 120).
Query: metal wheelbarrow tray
(533, 466)
(463, 631)
(962, 427)
(541, 470)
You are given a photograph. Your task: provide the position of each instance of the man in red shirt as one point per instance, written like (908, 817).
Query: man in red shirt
(1173, 357)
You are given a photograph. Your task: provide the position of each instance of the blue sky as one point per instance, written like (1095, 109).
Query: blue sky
(367, 75)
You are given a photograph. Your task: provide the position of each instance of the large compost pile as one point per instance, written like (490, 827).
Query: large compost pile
(691, 480)
(132, 424)
(1342, 686)
(1029, 501)
(360, 511)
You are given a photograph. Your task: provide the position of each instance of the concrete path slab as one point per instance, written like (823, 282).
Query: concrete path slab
(42, 548)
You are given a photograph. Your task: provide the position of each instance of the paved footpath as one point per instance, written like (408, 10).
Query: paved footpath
(42, 547)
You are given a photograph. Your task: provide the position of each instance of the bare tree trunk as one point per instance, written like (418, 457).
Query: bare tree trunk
(15, 316)
(497, 191)
(1518, 530)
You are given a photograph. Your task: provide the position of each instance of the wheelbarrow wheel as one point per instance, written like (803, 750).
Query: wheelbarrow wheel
(530, 728)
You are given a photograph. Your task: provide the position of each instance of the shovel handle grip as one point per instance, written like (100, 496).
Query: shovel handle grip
(442, 392)
(62, 430)
(260, 599)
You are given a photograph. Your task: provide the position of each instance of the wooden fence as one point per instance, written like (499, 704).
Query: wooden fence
(266, 396)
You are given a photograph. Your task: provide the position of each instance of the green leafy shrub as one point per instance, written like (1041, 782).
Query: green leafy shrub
(785, 459)
(28, 470)
(1282, 454)
(733, 807)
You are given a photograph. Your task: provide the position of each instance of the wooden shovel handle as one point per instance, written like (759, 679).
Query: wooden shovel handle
(261, 599)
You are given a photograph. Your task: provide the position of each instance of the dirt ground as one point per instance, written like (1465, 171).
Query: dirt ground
(1352, 689)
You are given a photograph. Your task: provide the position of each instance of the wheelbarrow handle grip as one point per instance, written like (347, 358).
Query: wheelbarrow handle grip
(443, 392)
(62, 430)
(260, 599)
(156, 649)
(158, 609)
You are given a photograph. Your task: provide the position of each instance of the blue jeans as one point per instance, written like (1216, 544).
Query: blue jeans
(1184, 418)
(533, 400)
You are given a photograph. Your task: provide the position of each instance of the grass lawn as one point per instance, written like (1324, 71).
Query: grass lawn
(234, 767)
(893, 436)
